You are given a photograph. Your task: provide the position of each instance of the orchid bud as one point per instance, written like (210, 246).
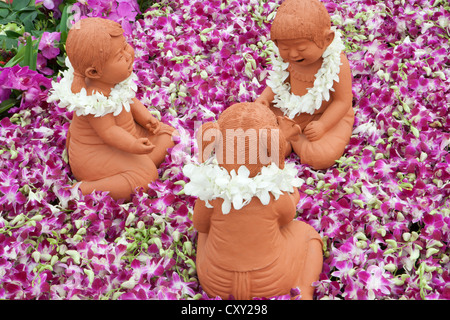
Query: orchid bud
(191, 263)
(14, 153)
(406, 236)
(431, 251)
(374, 247)
(156, 241)
(75, 255)
(141, 225)
(320, 184)
(17, 219)
(348, 190)
(390, 267)
(433, 243)
(37, 217)
(415, 132)
(77, 238)
(81, 231)
(414, 236)
(358, 202)
(382, 231)
(176, 235)
(52, 241)
(131, 246)
(398, 281)
(351, 272)
(36, 255)
(116, 295)
(361, 244)
(360, 236)
(439, 74)
(53, 260)
(187, 247)
(90, 275)
(46, 256)
(391, 242)
(130, 284)
(130, 219)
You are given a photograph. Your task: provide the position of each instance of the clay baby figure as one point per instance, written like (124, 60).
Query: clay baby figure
(311, 83)
(114, 143)
(249, 244)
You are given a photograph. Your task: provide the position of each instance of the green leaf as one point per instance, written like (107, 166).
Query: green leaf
(7, 104)
(5, 5)
(62, 27)
(8, 19)
(12, 34)
(3, 12)
(17, 58)
(28, 53)
(8, 43)
(31, 51)
(20, 4)
(27, 19)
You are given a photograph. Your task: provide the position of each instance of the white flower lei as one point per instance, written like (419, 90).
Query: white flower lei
(292, 104)
(209, 181)
(121, 96)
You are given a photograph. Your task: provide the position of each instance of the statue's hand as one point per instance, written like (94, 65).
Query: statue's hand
(153, 125)
(142, 146)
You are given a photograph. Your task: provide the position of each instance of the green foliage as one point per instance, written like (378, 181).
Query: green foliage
(23, 19)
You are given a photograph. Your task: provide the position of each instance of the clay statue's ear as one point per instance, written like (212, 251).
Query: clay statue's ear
(329, 37)
(92, 73)
(208, 138)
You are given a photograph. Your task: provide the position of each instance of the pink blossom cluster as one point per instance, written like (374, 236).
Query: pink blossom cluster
(48, 51)
(383, 210)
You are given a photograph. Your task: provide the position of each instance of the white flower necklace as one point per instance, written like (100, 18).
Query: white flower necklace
(209, 181)
(120, 97)
(292, 104)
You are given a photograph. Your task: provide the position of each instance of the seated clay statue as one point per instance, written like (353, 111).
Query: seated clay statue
(311, 83)
(249, 244)
(114, 143)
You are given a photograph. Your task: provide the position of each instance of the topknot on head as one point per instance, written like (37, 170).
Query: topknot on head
(297, 19)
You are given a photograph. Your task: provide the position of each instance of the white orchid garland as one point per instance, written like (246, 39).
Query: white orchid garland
(292, 104)
(209, 181)
(120, 97)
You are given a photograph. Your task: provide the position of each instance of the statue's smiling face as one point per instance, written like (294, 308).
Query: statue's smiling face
(302, 52)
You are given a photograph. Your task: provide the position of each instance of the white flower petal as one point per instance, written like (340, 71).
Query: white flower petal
(120, 98)
(209, 181)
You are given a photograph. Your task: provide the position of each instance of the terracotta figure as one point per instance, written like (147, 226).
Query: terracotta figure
(310, 83)
(114, 143)
(249, 244)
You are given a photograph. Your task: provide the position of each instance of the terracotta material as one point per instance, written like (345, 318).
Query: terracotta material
(111, 153)
(258, 250)
(302, 32)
